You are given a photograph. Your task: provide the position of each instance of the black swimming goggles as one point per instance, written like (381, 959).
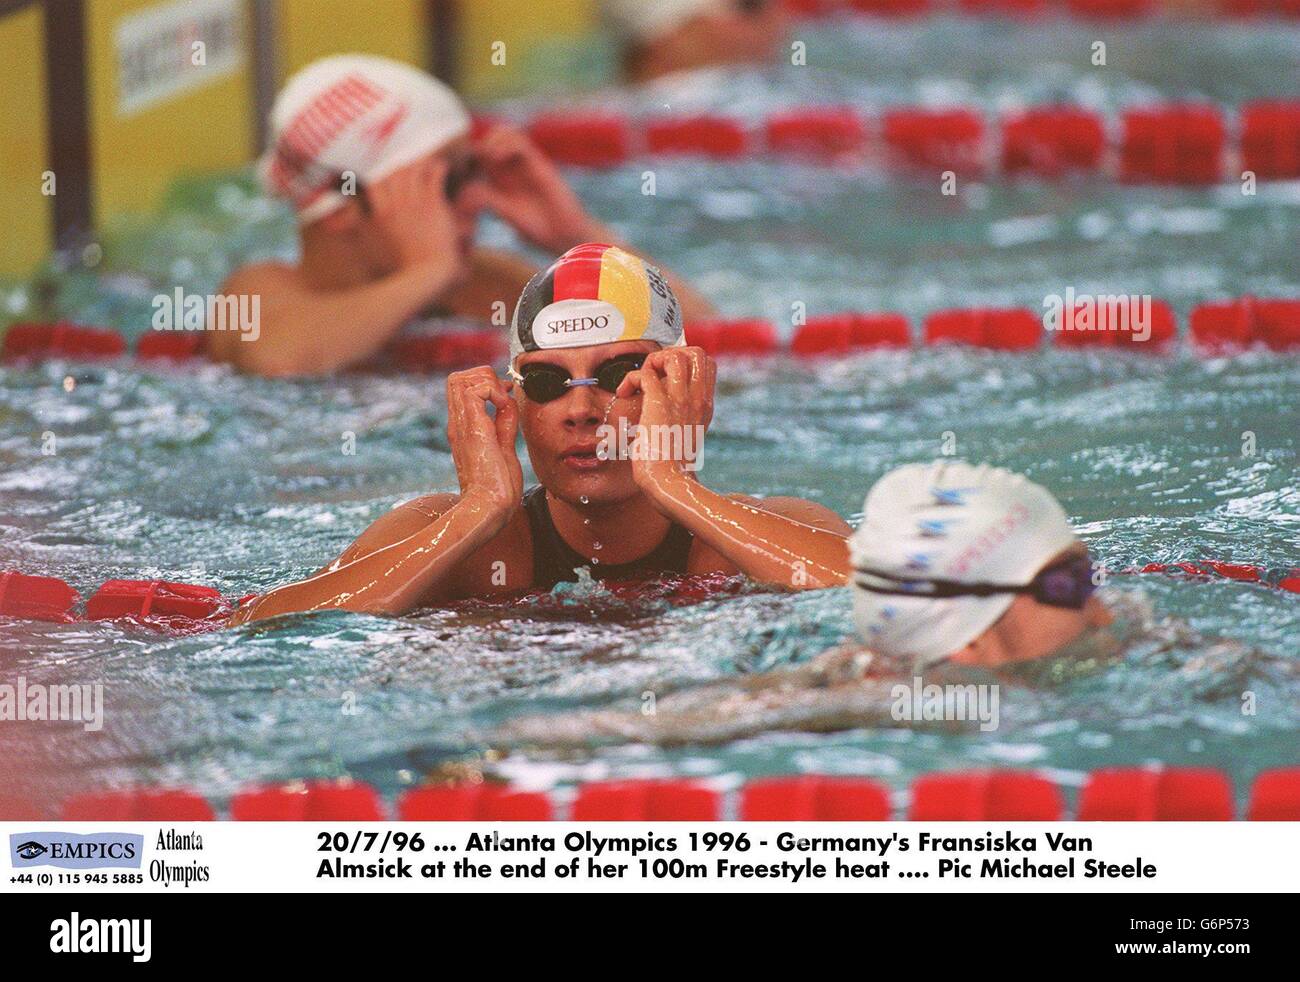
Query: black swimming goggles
(1068, 583)
(545, 383)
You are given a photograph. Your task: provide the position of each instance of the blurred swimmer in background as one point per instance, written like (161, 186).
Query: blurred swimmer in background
(663, 37)
(379, 163)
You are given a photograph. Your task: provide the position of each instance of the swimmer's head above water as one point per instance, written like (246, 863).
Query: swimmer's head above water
(347, 122)
(660, 37)
(581, 326)
(973, 565)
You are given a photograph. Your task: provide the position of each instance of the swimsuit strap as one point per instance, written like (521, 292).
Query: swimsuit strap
(555, 561)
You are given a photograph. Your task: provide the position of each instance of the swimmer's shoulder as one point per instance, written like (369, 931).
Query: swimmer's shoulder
(256, 277)
(400, 522)
(502, 564)
(275, 284)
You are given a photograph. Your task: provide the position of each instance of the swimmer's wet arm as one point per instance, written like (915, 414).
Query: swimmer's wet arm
(305, 332)
(395, 566)
(785, 542)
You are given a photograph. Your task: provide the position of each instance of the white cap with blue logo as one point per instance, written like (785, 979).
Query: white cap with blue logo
(953, 522)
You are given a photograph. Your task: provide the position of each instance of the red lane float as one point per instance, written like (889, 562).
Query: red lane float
(37, 598)
(1270, 139)
(814, 799)
(988, 796)
(1020, 9)
(1240, 572)
(1130, 794)
(646, 801)
(37, 342)
(829, 134)
(583, 139)
(310, 801)
(1015, 329)
(744, 336)
(474, 803)
(170, 345)
(18, 808)
(841, 334)
(1107, 325)
(1179, 144)
(814, 8)
(1275, 796)
(449, 351)
(890, 8)
(1050, 140)
(1109, 794)
(936, 139)
(156, 602)
(1217, 327)
(718, 137)
(138, 806)
(1110, 9)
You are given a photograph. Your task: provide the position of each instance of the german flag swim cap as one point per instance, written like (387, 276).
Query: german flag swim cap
(595, 294)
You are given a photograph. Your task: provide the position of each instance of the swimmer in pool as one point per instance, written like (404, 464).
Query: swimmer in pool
(663, 37)
(388, 184)
(610, 398)
(960, 574)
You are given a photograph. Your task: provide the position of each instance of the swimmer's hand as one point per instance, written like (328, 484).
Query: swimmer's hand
(411, 207)
(676, 386)
(527, 192)
(483, 447)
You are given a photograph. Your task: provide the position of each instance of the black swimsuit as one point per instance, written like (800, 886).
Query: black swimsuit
(555, 561)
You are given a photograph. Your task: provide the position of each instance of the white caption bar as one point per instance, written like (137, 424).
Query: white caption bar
(323, 857)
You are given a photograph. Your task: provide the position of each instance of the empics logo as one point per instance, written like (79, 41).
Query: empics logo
(30, 850)
(74, 936)
(68, 850)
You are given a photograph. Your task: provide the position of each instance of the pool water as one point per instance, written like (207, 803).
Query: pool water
(195, 474)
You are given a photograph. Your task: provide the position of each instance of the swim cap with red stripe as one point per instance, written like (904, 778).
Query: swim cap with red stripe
(353, 114)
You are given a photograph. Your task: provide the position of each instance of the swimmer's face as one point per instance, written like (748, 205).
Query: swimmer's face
(1028, 629)
(564, 434)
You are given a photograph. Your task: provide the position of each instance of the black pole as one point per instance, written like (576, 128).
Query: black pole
(68, 123)
(442, 23)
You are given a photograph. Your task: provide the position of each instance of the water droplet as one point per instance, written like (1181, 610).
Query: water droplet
(597, 545)
(595, 561)
(584, 499)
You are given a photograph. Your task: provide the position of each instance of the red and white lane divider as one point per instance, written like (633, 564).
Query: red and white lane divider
(1174, 143)
(1122, 794)
(186, 607)
(1038, 9)
(1214, 328)
(179, 607)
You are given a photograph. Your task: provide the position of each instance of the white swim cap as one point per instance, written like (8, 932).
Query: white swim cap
(948, 521)
(645, 20)
(353, 113)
